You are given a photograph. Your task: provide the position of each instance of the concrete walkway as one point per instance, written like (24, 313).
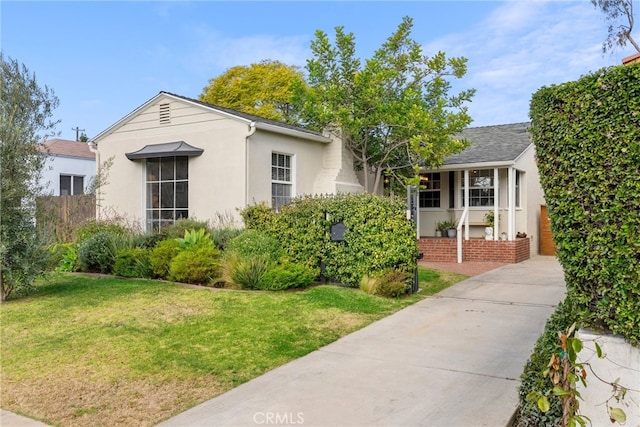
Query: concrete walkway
(9, 419)
(450, 360)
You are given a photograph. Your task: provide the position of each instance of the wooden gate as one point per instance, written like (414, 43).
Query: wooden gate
(547, 247)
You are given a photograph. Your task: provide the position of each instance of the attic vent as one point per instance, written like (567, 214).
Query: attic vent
(165, 114)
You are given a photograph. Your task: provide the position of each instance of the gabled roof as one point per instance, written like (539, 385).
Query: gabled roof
(251, 120)
(64, 147)
(492, 144)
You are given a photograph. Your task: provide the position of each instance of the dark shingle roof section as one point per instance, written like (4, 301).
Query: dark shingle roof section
(500, 143)
(64, 147)
(247, 115)
(167, 149)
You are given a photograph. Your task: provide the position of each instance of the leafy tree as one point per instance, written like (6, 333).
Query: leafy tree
(263, 89)
(394, 113)
(25, 112)
(619, 33)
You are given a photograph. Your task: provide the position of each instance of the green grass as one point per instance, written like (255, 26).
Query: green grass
(90, 350)
(432, 281)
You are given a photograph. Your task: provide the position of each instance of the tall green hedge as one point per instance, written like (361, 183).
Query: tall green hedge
(378, 235)
(587, 138)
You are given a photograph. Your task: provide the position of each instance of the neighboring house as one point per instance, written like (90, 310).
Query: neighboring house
(176, 157)
(69, 169)
(499, 169)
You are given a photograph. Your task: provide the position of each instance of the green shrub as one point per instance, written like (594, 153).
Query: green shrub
(587, 138)
(161, 257)
(223, 235)
(378, 235)
(532, 378)
(196, 264)
(133, 262)
(65, 257)
(93, 227)
(97, 254)
(259, 217)
(146, 240)
(178, 228)
(244, 272)
(194, 237)
(254, 244)
(285, 276)
(388, 283)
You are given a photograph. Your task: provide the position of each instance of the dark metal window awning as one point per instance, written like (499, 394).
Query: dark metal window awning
(168, 149)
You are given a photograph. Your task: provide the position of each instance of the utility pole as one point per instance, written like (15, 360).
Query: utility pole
(78, 130)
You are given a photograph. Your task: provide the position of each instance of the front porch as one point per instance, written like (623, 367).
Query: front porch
(443, 249)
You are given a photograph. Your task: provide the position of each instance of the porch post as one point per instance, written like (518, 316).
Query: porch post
(496, 204)
(512, 204)
(466, 203)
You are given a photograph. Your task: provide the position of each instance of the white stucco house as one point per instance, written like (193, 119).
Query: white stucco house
(496, 173)
(69, 169)
(176, 157)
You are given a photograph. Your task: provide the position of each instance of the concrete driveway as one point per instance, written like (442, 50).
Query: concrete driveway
(453, 359)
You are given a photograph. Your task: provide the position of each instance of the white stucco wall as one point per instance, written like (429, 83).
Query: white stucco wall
(622, 362)
(216, 178)
(307, 162)
(532, 199)
(233, 171)
(57, 165)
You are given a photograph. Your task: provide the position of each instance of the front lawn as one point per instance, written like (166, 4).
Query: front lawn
(89, 350)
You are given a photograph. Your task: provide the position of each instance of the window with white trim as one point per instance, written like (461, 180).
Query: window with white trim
(481, 188)
(281, 180)
(71, 185)
(167, 187)
(517, 189)
(429, 190)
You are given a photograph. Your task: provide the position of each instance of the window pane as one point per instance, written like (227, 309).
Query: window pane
(182, 167)
(78, 185)
(153, 195)
(153, 169)
(172, 192)
(182, 194)
(167, 165)
(166, 195)
(65, 185)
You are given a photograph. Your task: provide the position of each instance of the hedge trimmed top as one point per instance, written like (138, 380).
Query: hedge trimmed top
(587, 137)
(377, 237)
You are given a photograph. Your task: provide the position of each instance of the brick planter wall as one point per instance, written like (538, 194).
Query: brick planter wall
(444, 250)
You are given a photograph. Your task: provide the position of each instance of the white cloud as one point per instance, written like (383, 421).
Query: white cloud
(521, 47)
(215, 53)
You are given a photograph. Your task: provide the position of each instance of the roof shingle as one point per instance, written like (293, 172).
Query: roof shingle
(500, 143)
(64, 147)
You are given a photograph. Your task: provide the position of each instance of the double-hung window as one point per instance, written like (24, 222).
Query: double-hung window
(71, 185)
(481, 188)
(281, 180)
(167, 187)
(429, 190)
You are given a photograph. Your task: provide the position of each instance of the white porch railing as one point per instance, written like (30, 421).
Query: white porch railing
(464, 219)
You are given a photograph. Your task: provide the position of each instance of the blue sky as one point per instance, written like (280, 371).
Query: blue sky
(104, 59)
